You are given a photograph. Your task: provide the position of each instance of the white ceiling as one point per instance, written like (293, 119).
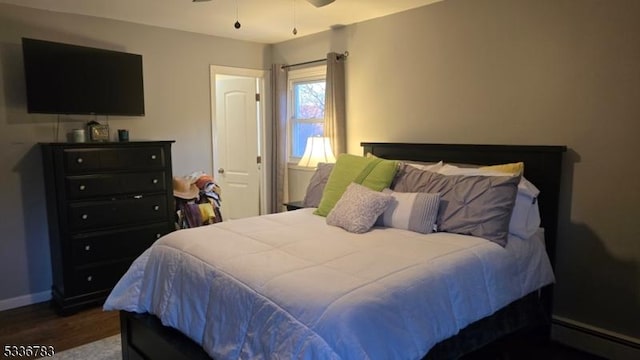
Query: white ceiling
(264, 21)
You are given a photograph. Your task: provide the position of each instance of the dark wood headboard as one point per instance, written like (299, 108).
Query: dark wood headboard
(542, 166)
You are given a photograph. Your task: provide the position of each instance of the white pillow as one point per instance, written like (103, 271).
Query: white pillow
(411, 211)
(431, 167)
(358, 208)
(525, 216)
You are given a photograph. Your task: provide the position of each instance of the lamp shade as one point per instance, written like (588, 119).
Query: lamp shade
(318, 150)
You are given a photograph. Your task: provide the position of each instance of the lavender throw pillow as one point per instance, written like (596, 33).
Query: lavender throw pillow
(358, 208)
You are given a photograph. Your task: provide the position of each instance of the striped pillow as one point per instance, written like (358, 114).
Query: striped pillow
(411, 211)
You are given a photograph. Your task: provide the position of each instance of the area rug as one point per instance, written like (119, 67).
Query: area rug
(105, 349)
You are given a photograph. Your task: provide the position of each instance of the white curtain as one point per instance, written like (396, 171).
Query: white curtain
(279, 183)
(335, 107)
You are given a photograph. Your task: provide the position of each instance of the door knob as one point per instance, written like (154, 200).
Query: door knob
(220, 171)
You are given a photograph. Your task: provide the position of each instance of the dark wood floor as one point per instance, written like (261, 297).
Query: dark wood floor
(38, 324)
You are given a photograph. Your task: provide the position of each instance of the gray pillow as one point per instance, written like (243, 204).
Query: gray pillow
(411, 211)
(469, 205)
(358, 208)
(316, 185)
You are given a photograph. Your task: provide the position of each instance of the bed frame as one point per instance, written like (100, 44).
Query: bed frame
(144, 337)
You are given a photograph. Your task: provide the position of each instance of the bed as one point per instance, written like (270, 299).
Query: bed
(334, 322)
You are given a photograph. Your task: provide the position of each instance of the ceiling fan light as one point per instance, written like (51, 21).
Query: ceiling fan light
(320, 3)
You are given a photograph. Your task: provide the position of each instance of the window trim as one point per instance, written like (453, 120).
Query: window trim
(307, 74)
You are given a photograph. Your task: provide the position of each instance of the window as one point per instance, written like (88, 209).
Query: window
(306, 108)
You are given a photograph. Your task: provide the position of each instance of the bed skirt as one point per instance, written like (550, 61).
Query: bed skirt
(144, 336)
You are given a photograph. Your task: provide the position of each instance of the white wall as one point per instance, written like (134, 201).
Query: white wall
(562, 72)
(177, 99)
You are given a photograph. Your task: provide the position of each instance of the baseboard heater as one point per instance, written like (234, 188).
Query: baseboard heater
(595, 340)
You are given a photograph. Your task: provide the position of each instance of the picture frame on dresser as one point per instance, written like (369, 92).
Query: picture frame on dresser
(106, 203)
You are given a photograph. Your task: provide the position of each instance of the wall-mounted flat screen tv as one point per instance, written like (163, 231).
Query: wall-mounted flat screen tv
(70, 79)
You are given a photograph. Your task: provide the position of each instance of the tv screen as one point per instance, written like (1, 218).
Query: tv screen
(71, 79)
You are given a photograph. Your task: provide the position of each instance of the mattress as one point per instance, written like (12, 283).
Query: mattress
(289, 286)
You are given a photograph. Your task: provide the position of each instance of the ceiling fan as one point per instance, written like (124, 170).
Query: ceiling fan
(320, 3)
(316, 3)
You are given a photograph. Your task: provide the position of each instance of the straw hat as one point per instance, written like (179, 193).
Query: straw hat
(184, 188)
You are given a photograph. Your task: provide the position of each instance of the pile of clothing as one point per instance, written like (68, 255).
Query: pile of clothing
(197, 200)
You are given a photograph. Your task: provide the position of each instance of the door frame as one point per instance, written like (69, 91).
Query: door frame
(263, 114)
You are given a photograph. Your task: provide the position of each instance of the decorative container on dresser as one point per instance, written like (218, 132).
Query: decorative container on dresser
(106, 203)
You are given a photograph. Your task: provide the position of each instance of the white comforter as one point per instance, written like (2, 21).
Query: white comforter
(288, 286)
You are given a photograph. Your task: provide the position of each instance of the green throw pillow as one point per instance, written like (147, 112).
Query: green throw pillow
(372, 172)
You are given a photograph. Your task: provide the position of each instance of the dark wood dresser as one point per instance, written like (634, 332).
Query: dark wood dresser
(106, 203)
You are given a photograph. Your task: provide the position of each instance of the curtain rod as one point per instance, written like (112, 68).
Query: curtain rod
(340, 56)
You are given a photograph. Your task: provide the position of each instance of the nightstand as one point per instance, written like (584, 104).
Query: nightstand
(293, 205)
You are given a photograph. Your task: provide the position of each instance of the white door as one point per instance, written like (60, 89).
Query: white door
(237, 145)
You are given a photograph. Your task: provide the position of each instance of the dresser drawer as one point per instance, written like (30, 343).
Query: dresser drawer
(117, 244)
(88, 186)
(96, 278)
(104, 159)
(117, 212)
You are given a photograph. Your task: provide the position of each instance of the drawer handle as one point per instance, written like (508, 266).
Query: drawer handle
(89, 278)
(87, 248)
(82, 187)
(156, 208)
(153, 157)
(155, 181)
(79, 160)
(85, 216)
(158, 235)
